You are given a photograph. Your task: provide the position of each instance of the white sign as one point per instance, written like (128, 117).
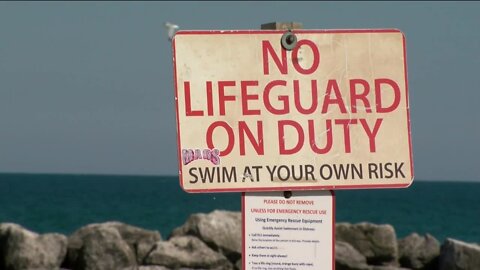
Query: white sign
(295, 233)
(332, 113)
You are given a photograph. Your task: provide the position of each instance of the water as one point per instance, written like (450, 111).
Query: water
(64, 203)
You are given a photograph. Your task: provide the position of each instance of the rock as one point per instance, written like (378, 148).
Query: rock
(136, 237)
(387, 267)
(238, 264)
(104, 248)
(417, 252)
(378, 243)
(152, 267)
(23, 249)
(142, 250)
(188, 252)
(348, 258)
(220, 230)
(156, 267)
(139, 240)
(458, 255)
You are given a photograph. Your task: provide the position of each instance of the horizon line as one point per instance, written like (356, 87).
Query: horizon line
(170, 175)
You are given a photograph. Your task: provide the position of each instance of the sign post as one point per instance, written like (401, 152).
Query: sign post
(283, 111)
(288, 230)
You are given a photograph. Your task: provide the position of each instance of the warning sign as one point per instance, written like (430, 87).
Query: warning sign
(294, 233)
(331, 113)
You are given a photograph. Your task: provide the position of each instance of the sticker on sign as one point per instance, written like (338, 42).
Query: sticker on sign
(332, 113)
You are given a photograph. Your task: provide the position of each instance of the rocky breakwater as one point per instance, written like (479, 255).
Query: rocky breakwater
(213, 241)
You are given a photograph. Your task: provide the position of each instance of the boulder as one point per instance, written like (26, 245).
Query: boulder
(378, 243)
(220, 230)
(387, 267)
(142, 250)
(238, 265)
(419, 252)
(156, 267)
(152, 267)
(187, 252)
(348, 258)
(23, 249)
(104, 248)
(139, 240)
(458, 255)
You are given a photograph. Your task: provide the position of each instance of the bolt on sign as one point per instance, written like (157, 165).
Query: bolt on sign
(330, 113)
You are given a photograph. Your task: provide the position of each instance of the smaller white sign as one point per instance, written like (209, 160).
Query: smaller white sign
(295, 233)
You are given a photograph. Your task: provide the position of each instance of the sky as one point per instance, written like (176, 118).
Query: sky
(87, 87)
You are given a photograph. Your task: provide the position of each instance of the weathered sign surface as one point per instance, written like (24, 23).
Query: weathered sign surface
(332, 113)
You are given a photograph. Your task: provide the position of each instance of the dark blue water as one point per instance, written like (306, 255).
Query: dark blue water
(63, 203)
